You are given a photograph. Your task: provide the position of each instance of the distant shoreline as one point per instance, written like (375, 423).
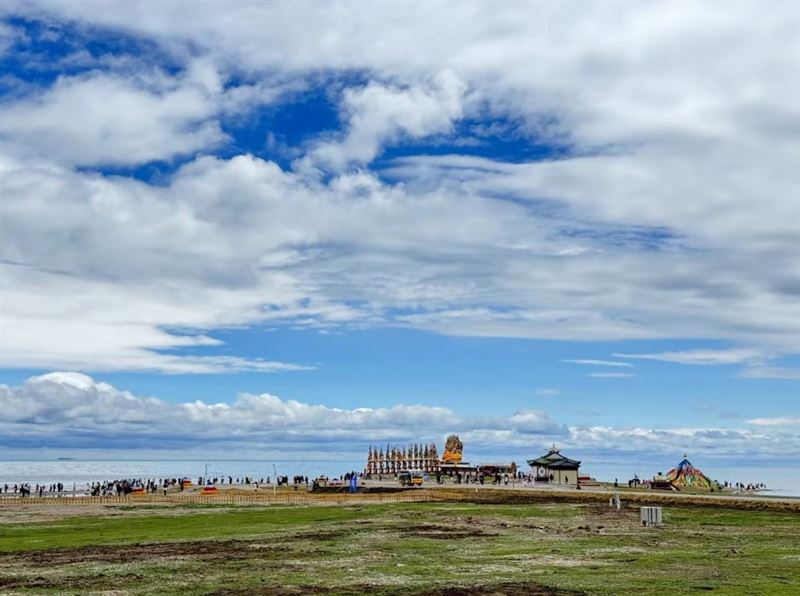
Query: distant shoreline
(781, 481)
(486, 494)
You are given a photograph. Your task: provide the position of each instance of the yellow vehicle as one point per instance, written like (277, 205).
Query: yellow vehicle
(411, 478)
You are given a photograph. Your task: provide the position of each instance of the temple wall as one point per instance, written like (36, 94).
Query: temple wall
(569, 477)
(566, 477)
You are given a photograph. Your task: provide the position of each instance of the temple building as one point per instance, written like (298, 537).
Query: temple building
(392, 459)
(425, 457)
(555, 468)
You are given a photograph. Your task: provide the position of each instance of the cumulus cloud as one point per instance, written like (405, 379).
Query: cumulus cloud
(67, 410)
(624, 73)
(378, 113)
(241, 241)
(655, 221)
(73, 410)
(101, 119)
(128, 114)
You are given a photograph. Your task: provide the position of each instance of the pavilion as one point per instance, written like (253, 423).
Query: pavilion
(555, 468)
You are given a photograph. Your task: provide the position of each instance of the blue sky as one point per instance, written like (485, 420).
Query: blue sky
(220, 233)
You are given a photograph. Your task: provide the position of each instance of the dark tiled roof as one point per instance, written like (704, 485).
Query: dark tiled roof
(555, 461)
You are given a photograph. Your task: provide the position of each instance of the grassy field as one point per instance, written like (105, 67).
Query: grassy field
(425, 548)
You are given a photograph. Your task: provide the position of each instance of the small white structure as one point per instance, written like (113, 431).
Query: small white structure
(651, 516)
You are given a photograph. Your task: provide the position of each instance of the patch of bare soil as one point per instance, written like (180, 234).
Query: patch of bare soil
(19, 512)
(604, 517)
(88, 582)
(207, 550)
(441, 532)
(504, 589)
(501, 589)
(311, 536)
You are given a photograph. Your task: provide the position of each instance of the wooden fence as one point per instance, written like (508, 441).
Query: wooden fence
(487, 496)
(266, 497)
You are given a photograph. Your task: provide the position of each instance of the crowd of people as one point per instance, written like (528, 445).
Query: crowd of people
(126, 486)
(480, 478)
(122, 487)
(24, 489)
(745, 488)
(153, 486)
(118, 487)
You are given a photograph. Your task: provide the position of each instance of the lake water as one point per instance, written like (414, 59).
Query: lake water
(81, 472)
(782, 481)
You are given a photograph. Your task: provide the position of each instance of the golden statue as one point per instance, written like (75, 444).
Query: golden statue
(453, 450)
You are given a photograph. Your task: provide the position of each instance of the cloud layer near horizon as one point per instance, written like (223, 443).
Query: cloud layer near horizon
(66, 410)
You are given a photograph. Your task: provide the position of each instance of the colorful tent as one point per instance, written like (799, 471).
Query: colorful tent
(685, 475)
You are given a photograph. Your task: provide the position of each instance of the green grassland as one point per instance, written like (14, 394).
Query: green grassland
(425, 548)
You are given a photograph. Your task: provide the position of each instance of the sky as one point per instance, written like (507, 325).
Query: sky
(298, 229)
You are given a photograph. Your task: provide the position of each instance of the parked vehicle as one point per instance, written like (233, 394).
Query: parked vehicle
(411, 477)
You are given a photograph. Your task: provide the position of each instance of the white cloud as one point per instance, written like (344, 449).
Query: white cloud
(784, 421)
(590, 362)
(770, 372)
(241, 242)
(610, 375)
(100, 119)
(130, 114)
(9, 35)
(72, 411)
(547, 391)
(629, 191)
(772, 446)
(613, 241)
(624, 73)
(101, 325)
(702, 357)
(378, 113)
